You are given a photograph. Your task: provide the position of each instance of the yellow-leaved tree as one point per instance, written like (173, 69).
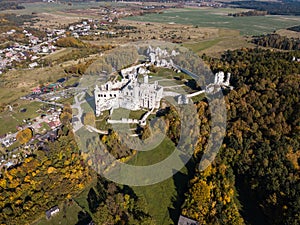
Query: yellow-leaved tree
(24, 135)
(89, 119)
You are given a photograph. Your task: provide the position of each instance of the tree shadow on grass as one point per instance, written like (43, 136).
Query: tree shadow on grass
(181, 181)
(83, 218)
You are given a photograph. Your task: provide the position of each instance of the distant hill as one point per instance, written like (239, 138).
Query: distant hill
(9, 5)
(31, 1)
(286, 7)
(18, 1)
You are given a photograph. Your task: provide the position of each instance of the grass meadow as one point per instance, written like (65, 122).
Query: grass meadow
(64, 217)
(161, 198)
(207, 17)
(10, 120)
(44, 7)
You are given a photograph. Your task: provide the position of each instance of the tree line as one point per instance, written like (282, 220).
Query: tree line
(277, 41)
(4, 5)
(249, 13)
(261, 146)
(45, 179)
(294, 28)
(273, 8)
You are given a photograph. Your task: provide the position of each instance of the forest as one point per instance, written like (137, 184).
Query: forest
(277, 41)
(112, 204)
(4, 5)
(48, 176)
(273, 8)
(14, 20)
(249, 13)
(259, 157)
(260, 151)
(55, 174)
(294, 28)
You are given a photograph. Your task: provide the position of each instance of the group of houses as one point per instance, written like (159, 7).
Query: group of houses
(205, 3)
(49, 120)
(29, 51)
(83, 28)
(33, 47)
(44, 128)
(46, 89)
(91, 26)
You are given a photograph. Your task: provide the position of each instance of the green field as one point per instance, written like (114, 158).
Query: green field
(161, 198)
(40, 7)
(9, 120)
(69, 217)
(162, 201)
(120, 113)
(202, 45)
(43, 7)
(218, 18)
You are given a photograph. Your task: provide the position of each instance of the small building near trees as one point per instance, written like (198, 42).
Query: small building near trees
(51, 212)
(186, 221)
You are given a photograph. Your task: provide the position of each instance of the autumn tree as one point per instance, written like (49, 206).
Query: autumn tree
(70, 42)
(89, 119)
(24, 136)
(66, 115)
(41, 181)
(261, 145)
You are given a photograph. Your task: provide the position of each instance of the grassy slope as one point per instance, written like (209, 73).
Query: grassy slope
(20, 82)
(159, 197)
(202, 45)
(227, 39)
(78, 204)
(70, 217)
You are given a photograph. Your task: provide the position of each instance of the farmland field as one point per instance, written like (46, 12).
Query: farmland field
(52, 14)
(218, 18)
(43, 7)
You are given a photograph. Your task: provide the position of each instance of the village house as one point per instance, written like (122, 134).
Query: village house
(32, 65)
(51, 212)
(186, 221)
